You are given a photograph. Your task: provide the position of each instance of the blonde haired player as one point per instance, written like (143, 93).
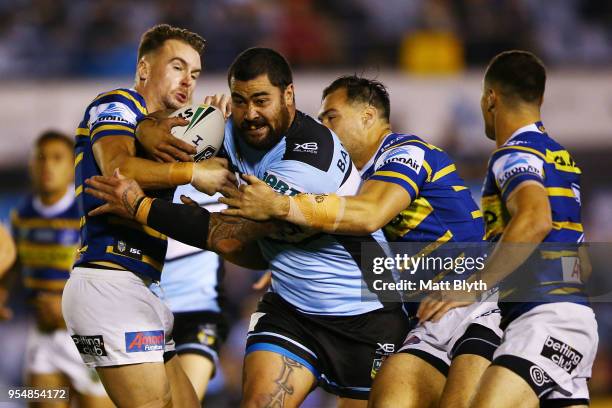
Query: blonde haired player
(119, 326)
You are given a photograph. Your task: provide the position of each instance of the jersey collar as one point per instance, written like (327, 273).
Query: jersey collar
(534, 127)
(62, 205)
(371, 161)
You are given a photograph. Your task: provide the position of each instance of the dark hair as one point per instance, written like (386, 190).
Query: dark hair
(518, 73)
(364, 90)
(54, 136)
(258, 61)
(155, 37)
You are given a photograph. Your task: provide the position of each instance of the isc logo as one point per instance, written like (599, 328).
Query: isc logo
(135, 251)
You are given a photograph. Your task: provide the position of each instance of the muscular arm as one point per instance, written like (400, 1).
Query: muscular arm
(118, 152)
(530, 223)
(377, 203)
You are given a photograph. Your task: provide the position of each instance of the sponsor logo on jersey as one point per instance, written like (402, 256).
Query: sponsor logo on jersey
(114, 112)
(515, 164)
(144, 341)
(538, 376)
(561, 354)
(409, 156)
(309, 147)
(89, 345)
(279, 185)
(124, 249)
(207, 334)
(383, 351)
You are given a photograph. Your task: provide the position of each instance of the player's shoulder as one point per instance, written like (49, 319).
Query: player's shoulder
(24, 208)
(308, 141)
(119, 101)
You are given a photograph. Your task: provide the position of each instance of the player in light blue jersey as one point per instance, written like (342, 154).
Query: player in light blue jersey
(192, 287)
(119, 326)
(412, 189)
(313, 327)
(531, 196)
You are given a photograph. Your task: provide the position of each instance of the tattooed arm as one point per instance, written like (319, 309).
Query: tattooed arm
(229, 236)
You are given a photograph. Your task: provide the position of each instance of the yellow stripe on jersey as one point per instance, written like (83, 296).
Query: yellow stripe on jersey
(56, 223)
(82, 222)
(459, 188)
(524, 148)
(430, 146)
(574, 226)
(401, 176)
(435, 245)
(443, 172)
(568, 290)
(146, 259)
(556, 255)
(135, 225)
(78, 191)
(127, 95)
(46, 256)
(476, 214)
(111, 127)
(560, 192)
(82, 131)
(78, 159)
(409, 219)
(428, 169)
(44, 284)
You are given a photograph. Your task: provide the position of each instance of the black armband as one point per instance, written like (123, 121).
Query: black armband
(185, 223)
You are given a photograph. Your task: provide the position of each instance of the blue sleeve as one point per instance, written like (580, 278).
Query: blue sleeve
(115, 113)
(404, 166)
(511, 167)
(291, 177)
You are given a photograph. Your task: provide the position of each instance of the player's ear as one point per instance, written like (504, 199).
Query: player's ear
(491, 99)
(289, 95)
(142, 70)
(368, 116)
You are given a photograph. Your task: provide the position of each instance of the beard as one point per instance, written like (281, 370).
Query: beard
(273, 132)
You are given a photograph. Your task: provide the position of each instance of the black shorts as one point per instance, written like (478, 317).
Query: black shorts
(344, 353)
(199, 333)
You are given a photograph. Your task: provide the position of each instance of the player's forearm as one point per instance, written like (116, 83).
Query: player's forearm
(333, 214)
(195, 226)
(8, 253)
(249, 257)
(153, 175)
(520, 238)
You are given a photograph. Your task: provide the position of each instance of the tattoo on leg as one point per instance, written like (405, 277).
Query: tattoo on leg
(277, 398)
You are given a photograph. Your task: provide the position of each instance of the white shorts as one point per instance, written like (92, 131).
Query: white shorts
(473, 329)
(54, 353)
(114, 318)
(552, 346)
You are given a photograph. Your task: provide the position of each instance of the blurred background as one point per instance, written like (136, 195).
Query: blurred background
(56, 55)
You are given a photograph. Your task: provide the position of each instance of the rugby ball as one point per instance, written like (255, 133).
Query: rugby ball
(205, 130)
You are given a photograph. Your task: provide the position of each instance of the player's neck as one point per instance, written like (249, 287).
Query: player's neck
(50, 198)
(510, 122)
(153, 101)
(375, 138)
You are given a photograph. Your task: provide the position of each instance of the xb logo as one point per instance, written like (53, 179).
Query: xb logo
(308, 146)
(386, 347)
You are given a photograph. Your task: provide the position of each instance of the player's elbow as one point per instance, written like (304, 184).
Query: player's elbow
(369, 225)
(539, 225)
(227, 247)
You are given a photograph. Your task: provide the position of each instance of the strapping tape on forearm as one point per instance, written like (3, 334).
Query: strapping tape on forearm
(180, 173)
(142, 210)
(184, 223)
(319, 211)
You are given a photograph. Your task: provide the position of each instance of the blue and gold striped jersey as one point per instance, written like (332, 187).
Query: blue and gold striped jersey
(551, 274)
(441, 208)
(108, 238)
(47, 239)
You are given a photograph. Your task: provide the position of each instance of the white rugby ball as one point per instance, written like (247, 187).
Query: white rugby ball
(205, 130)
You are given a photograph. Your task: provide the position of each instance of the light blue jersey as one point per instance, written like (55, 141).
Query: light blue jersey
(320, 275)
(192, 278)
